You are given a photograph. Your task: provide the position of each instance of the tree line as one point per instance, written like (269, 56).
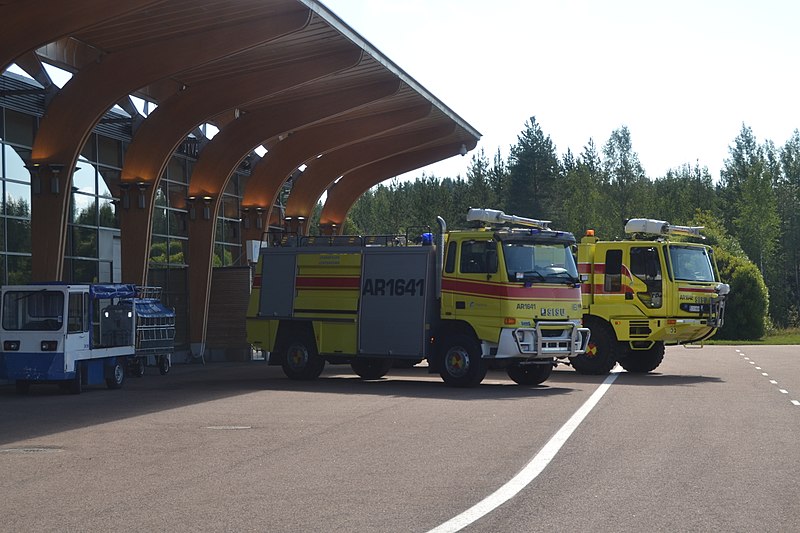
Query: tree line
(752, 213)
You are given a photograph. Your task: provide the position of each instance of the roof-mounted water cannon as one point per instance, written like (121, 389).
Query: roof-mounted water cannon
(660, 227)
(494, 216)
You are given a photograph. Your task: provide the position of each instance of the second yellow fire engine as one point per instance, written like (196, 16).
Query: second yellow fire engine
(646, 292)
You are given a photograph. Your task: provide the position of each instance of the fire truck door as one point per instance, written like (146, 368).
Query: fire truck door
(646, 277)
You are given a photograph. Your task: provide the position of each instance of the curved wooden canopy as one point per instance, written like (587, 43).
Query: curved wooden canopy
(286, 74)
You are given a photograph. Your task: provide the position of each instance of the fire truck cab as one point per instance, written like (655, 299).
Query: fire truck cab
(646, 292)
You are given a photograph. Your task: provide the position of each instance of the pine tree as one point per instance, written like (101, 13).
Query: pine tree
(532, 170)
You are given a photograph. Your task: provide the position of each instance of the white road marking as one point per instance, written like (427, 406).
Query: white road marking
(773, 382)
(795, 402)
(532, 469)
(764, 374)
(783, 391)
(752, 362)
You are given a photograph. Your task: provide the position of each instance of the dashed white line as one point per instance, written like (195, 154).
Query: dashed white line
(782, 391)
(531, 470)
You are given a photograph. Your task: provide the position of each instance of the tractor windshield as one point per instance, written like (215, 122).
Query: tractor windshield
(691, 263)
(540, 263)
(35, 310)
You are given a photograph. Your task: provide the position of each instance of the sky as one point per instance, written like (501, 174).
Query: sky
(683, 76)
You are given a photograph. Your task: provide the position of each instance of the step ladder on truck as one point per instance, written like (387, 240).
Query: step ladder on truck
(78, 335)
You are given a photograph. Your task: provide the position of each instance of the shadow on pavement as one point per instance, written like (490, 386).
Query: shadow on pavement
(46, 410)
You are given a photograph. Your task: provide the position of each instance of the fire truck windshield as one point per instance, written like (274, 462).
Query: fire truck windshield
(540, 263)
(691, 263)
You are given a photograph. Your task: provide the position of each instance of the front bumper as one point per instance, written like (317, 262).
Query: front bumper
(547, 340)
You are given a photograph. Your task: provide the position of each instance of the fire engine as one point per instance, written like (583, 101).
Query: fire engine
(505, 294)
(646, 292)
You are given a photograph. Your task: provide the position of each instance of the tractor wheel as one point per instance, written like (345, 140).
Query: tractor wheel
(137, 367)
(370, 368)
(461, 362)
(600, 356)
(76, 385)
(529, 374)
(643, 361)
(117, 376)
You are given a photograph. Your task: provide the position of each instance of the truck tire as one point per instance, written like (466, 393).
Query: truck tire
(600, 356)
(163, 364)
(643, 361)
(529, 374)
(371, 367)
(461, 363)
(301, 360)
(137, 367)
(117, 376)
(76, 385)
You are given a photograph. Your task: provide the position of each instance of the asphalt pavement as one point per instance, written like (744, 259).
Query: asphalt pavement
(708, 442)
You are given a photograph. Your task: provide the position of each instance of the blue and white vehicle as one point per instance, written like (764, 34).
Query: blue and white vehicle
(78, 335)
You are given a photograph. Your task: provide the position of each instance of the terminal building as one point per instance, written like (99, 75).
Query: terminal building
(149, 141)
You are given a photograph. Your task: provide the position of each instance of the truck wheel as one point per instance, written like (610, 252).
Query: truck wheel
(643, 361)
(529, 374)
(600, 356)
(117, 377)
(76, 385)
(163, 364)
(137, 367)
(301, 360)
(462, 364)
(371, 367)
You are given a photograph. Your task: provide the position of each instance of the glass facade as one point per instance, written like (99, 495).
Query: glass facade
(93, 245)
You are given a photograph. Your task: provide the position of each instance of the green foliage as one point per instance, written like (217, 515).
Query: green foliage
(533, 169)
(746, 308)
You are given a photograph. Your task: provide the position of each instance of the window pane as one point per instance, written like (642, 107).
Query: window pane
(176, 170)
(161, 194)
(15, 163)
(83, 271)
(18, 200)
(176, 195)
(109, 179)
(84, 209)
(177, 251)
(19, 269)
(84, 242)
(108, 214)
(160, 220)
(158, 250)
(18, 235)
(88, 150)
(230, 207)
(84, 178)
(19, 128)
(177, 223)
(109, 151)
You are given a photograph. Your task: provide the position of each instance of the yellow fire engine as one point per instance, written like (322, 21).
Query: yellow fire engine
(646, 292)
(498, 294)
